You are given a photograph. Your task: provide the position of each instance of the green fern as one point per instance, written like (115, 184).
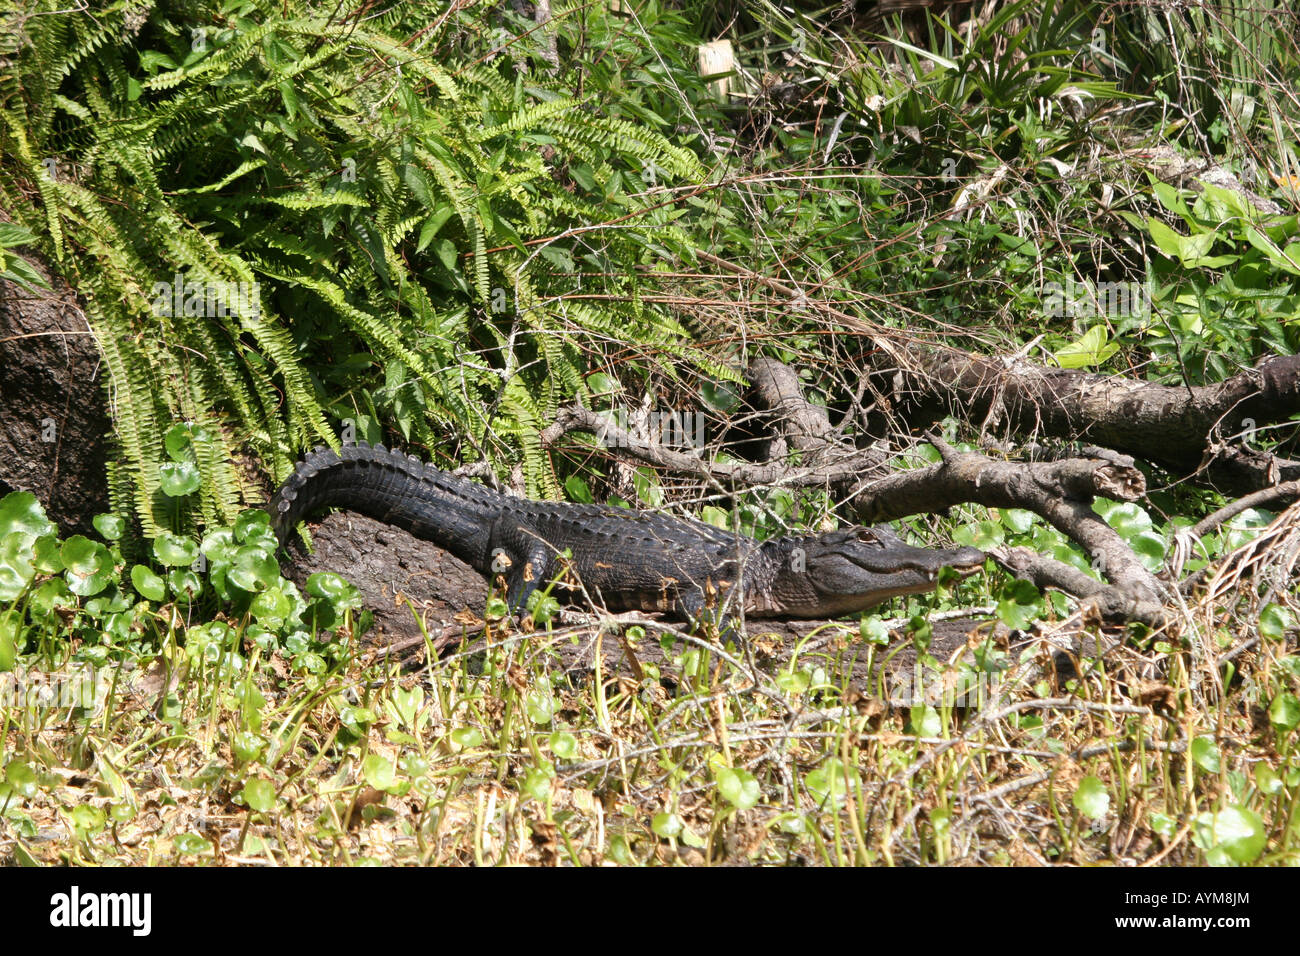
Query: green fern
(378, 197)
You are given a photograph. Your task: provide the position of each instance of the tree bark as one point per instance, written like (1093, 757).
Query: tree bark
(54, 428)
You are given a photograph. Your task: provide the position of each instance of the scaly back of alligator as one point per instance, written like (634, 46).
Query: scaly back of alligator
(626, 555)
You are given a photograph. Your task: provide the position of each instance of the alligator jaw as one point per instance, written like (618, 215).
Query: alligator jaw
(857, 568)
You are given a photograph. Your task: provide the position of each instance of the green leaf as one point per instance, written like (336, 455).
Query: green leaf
(1274, 621)
(147, 584)
(173, 551)
(540, 704)
(334, 589)
(667, 825)
(21, 513)
(1088, 351)
(1190, 251)
(179, 478)
(467, 737)
(537, 783)
(219, 545)
(925, 721)
(738, 787)
(88, 820)
(191, 844)
(577, 489)
(873, 630)
(1205, 754)
(19, 270)
(1284, 711)
(1091, 798)
(431, 226)
(826, 784)
(12, 234)
(52, 594)
(379, 772)
(1017, 520)
(564, 745)
(110, 527)
(988, 535)
(16, 568)
(1267, 779)
(252, 527)
(1162, 823)
(254, 570)
(271, 607)
(246, 746)
(10, 625)
(792, 682)
(1125, 517)
(446, 252)
(1020, 604)
(1237, 831)
(178, 441)
(21, 776)
(941, 61)
(1150, 549)
(88, 565)
(184, 583)
(47, 555)
(1167, 241)
(259, 794)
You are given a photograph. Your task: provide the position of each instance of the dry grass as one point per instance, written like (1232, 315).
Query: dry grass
(510, 754)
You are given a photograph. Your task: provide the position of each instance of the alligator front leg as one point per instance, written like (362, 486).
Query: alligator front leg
(527, 576)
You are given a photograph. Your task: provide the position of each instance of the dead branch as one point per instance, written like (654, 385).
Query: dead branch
(849, 466)
(1284, 493)
(1112, 603)
(1061, 492)
(1198, 432)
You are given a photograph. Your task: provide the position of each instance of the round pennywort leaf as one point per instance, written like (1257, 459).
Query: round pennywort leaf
(179, 478)
(173, 551)
(147, 584)
(1091, 798)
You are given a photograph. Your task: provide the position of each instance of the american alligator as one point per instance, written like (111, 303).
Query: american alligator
(623, 560)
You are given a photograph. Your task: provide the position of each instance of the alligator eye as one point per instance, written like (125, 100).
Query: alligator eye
(867, 536)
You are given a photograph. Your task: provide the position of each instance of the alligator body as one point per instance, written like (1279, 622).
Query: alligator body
(622, 560)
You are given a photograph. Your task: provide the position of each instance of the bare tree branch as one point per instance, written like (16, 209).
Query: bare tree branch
(1197, 432)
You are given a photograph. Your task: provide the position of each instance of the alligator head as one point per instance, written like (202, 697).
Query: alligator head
(855, 568)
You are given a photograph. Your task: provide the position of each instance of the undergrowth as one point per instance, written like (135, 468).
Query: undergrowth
(224, 716)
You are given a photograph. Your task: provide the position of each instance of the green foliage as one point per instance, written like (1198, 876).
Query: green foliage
(287, 225)
(76, 589)
(1223, 67)
(13, 266)
(1224, 292)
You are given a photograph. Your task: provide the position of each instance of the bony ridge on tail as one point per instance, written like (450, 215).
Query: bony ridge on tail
(625, 560)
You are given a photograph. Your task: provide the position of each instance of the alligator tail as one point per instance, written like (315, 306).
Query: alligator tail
(384, 484)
